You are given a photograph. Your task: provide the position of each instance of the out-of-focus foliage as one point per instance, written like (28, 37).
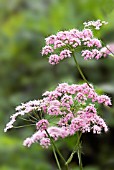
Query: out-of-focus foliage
(25, 75)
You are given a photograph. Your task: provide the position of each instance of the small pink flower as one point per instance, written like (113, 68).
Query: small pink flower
(105, 51)
(96, 129)
(97, 24)
(58, 44)
(42, 124)
(92, 42)
(63, 35)
(28, 142)
(50, 40)
(66, 100)
(80, 97)
(54, 110)
(46, 50)
(87, 54)
(87, 33)
(45, 142)
(54, 59)
(75, 42)
(104, 99)
(65, 54)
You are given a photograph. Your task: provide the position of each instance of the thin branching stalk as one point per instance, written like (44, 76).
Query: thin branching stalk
(74, 150)
(57, 161)
(79, 69)
(34, 118)
(27, 120)
(79, 157)
(57, 150)
(79, 151)
(16, 127)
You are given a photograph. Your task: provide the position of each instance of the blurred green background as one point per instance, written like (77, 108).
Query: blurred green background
(25, 75)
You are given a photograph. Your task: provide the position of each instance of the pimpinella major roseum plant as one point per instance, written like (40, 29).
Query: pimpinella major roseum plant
(72, 107)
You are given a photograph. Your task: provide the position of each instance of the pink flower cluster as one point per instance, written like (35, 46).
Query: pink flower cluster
(23, 109)
(54, 58)
(94, 53)
(71, 108)
(42, 124)
(64, 43)
(87, 120)
(97, 24)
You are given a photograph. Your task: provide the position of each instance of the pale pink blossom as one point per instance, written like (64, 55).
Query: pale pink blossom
(97, 24)
(50, 40)
(22, 110)
(54, 59)
(80, 97)
(28, 142)
(58, 44)
(92, 42)
(104, 99)
(105, 51)
(42, 124)
(86, 33)
(65, 54)
(45, 142)
(46, 50)
(87, 54)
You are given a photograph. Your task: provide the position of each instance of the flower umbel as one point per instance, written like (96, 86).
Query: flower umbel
(61, 45)
(73, 108)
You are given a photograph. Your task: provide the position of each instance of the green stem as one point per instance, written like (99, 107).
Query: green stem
(79, 157)
(55, 147)
(57, 161)
(16, 127)
(74, 150)
(80, 71)
(34, 118)
(57, 150)
(79, 154)
(27, 120)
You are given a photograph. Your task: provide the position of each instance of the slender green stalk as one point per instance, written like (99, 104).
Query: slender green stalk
(57, 150)
(74, 150)
(54, 148)
(79, 157)
(27, 120)
(79, 153)
(34, 118)
(57, 161)
(79, 69)
(16, 127)
(78, 141)
(37, 116)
